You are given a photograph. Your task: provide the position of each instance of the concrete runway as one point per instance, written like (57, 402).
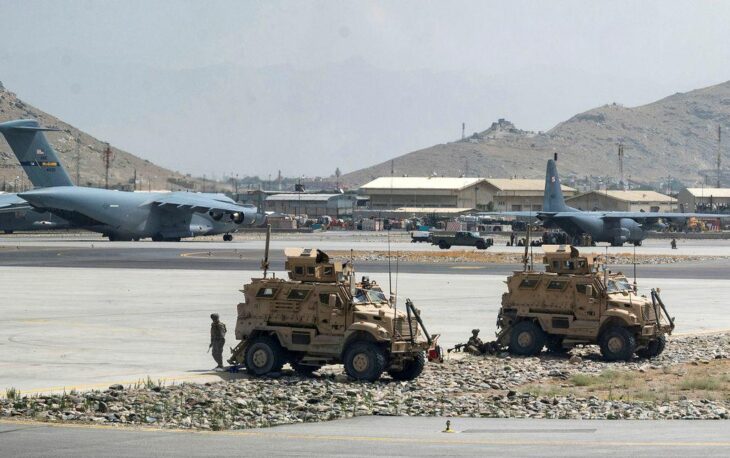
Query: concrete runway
(380, 436)
(88, 328)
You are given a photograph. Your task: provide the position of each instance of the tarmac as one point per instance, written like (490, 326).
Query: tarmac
(83, 313)
(380, 436)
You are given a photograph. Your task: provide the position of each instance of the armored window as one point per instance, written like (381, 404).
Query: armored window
(299, 270)
(328, 271)
(310, 270)
(324, 299)
(583, 290)
(297, 294)
(556, 285)
(266, 292)
(529, 283)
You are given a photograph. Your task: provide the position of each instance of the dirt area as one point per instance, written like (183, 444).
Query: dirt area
(705, 379)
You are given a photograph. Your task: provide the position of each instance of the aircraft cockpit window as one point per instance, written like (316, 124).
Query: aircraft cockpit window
(266, 292)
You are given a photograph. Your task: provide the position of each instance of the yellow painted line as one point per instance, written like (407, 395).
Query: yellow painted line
(455, 439)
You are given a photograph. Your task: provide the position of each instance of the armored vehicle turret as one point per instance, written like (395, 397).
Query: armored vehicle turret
(574, 302)
(321, 315)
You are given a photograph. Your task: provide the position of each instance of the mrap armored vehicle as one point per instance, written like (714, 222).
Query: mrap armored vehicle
(573, 302)
(320, 315)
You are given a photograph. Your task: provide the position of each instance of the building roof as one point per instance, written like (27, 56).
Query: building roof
(633, 196)
(449, 183)
(707, 192)
(302, 197)
(522, 184)
(443, 210)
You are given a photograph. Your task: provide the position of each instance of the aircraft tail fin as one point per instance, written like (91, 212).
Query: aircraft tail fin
(35, 154)
(553, 200)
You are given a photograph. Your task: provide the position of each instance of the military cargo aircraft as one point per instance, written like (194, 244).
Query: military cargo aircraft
(614, 227)
(119, 215)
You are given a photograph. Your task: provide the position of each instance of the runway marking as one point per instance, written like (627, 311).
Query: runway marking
(467, 267)
(456, 439)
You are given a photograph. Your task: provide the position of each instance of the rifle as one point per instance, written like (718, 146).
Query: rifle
(457, 348)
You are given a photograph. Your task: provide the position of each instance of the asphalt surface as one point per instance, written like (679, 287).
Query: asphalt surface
(381, 436)
(198, 257)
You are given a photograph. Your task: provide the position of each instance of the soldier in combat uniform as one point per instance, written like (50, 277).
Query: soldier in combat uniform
(475, 346)
(217, 339)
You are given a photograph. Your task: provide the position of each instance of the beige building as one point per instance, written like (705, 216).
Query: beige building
(464, 193)
(397, 192)
(704, 199)
(617, 200)
(516, 194)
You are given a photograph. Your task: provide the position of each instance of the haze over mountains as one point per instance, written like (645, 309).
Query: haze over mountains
(91, 165)
(675, 136)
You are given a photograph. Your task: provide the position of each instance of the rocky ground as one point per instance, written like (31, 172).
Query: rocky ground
(464, 385)
(487, 257)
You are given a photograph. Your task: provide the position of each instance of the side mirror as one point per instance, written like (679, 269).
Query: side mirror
(589, 290)
(332, 301)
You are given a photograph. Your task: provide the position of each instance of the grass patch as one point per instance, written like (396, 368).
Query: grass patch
(707, 383)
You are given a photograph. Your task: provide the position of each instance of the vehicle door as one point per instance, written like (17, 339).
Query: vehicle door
(586, 304)
(331, 313)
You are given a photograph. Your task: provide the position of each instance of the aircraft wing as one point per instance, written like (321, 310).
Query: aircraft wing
(642, 216)
(198, 203)
(518, 214)
(11, 203)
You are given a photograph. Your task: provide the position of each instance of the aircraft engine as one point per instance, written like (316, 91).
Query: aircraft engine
(655, 226)
(216, 215)
(238, 217)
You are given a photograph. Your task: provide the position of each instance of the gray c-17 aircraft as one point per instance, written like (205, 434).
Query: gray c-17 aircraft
(614, 227)
(119, 215)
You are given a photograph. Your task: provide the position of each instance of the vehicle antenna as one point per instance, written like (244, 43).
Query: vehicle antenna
(527, 243)
(605, 270)
(635, 285)
(352, 273)
(265, 261)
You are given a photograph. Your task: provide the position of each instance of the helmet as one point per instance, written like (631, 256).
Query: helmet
(475, 331)
(214, 316)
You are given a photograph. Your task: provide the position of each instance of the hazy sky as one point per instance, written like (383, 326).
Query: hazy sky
(304, 87)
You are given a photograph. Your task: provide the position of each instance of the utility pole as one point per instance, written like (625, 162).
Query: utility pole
(107, 163)
(463, 130)
(134, 183)
(78, 159)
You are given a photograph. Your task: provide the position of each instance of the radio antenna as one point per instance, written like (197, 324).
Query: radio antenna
(265, 261)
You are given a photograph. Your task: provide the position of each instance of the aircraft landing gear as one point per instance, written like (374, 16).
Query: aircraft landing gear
(637, 243)
(227, 237)
(8, 231)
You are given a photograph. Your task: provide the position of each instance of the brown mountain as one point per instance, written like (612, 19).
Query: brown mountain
(675, 136)
(91, 164)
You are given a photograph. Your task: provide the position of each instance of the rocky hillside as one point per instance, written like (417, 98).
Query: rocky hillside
(674, 136)
(91, 167)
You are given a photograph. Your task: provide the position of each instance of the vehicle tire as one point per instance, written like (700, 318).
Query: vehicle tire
(227, 237)
(617, 344)
(264, 355)
(527, 339)
(554, 344)
(411, 368)
(443, 245)
(304, 369)
(364, 361)
(653, 348)
(637, 243)
(481, 245)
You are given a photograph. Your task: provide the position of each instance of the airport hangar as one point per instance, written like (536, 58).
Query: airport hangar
(620, 200)
(504, 194)
(692, 198)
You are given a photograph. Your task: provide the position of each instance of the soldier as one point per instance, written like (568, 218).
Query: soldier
(474, 345)
(217, 339)
(674, 243)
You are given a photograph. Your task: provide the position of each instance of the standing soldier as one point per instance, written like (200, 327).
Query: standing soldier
(217, 339)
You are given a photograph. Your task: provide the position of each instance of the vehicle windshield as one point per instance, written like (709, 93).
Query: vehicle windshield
(619, 284)
(363, 296)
